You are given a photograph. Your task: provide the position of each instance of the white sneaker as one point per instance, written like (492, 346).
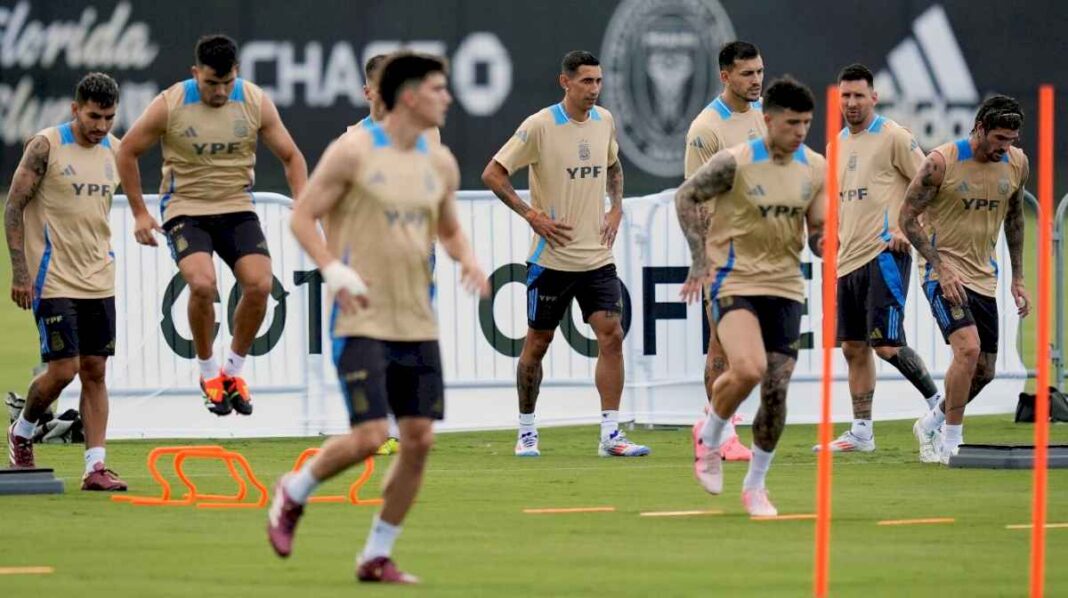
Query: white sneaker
(930, 443)
(757, 504)
(850, 443)
(618, 445)
(944, 453)
(527, 445)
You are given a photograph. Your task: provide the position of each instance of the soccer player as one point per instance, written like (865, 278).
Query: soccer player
(572, 153)
(377, 109)
(208, 128)
(764, 192)
(732, 118)
(387, 193)
(964, 192)
(877, 158)
(57, 227)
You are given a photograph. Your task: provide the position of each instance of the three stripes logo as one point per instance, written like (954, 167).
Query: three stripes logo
(927, 86)
(69, 170)
(189, 133)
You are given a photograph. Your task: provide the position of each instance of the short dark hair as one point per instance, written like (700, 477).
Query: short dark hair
(575, 59)
(99, 88)
(786, 93)
(372, 66)
(404, 68)
(736, 50)
(857, 72)
(999, 112)
(217, 51)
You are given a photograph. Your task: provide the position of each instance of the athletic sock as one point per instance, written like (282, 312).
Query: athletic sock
(934, 400)
(609, 424)
(380, 540)
(758, 469)
(233, 365)
(863, 429)
(526, 424)
(933, 419)
(953, 437)
(299, 487)
(209, 368)
(24, 428)
(93, 456)
(394, 431)
(712, 434)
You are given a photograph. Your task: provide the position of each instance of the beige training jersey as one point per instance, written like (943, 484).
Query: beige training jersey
(875, 167)
(966, 216)
(68, 235)
(384, 228)
(758, 227)
(568, 163)
(717, 127)
(209, 154)
(433, 134)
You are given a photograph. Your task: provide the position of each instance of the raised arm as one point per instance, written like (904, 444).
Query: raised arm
(143, 134)
(28, 176)
(714, 178)
(1014, 238)
(276, 137)
(451, 234)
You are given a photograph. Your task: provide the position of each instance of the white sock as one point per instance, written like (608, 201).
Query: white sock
(299, 487)
(380, 540)
(93, 456)
(934, 400)
(863, 428)
(933, 419)
(24, 428)
(234, 363)
(526, 423)
(609, 424)
(209, 368)
(758, 469)
(953, 437)
(394, 431)
(712, 434)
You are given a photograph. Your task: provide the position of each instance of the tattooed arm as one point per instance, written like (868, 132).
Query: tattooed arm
(24, 185)
(816, 217)
(615, 214)
(1014, 237)
(716, 177)
(920, 194)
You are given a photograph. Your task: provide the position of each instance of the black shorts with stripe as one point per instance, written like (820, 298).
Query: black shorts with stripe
(871, 301)
(980, 311)
(379, 377)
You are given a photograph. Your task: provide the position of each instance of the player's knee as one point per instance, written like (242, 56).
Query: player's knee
(63, 371)
(202, 286)
(749, 371)
(258, 290)
(611, 343)
(854, 351)
(367, 437)
(886, 353)
(419, 442)
(966, 353)
(92, 371)
(537, 344)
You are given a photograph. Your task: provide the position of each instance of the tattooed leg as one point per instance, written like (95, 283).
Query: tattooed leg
(861, 376)
(911, 366)
(984, 374)
(771, 417)
(529, 372)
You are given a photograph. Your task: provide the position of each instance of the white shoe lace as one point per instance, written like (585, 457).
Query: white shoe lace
(528, 440)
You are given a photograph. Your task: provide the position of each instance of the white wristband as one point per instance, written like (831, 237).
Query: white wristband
(338, 276)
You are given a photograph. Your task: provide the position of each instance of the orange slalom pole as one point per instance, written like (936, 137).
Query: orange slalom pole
(821, 574)
(1042, 380)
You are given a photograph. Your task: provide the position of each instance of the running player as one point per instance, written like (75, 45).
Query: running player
(377, 110)
(208, 127)
(732, 118)
(571, 150)
(57, 226)
(964, 191)
(764, 192)
(876, 160)
(388, 193)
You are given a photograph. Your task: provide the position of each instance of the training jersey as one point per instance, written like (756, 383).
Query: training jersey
(875, 167)
(384, 228)
(717, 127)
(209, 154)
(67, 225)
(433, 134)
(568, 163)
(966, 216)
(758, 227)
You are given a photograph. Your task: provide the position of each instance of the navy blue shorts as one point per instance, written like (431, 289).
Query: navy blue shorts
(871, 301)
(550, 292)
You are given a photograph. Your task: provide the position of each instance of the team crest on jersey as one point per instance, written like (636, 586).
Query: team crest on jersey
(429, 182)
(584, 150)
(240, 128)
(806, 189)
(1003, 186)
(753, 134)
(109, 170)
(852, 162)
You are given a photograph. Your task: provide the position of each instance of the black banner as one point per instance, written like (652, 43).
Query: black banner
(935, 62)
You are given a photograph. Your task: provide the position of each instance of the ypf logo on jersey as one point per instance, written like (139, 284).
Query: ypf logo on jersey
(659, 59)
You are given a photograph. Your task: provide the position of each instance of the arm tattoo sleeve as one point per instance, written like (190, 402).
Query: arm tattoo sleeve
(615, 185)
(27, 180)
(1014, 229)
(714, 178)
(920, 194)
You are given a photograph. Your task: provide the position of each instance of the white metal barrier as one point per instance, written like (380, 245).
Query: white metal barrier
(152, 378)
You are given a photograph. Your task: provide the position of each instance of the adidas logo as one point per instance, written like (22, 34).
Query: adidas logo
(963, 187)
(698, 143)
(757, 191)
(69, 171)
(876, 334)
(927, 86)
(190, 132)
(377, 178)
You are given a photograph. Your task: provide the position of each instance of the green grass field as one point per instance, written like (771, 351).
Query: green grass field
(468, 535)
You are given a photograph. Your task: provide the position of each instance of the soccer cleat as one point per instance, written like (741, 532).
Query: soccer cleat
(216, 398)
(19, 450)
(707, 463)
(389, 447)
(618, 445)
(102, 479)
(383, 570)
(527, 445)
(734, 450)
(757, 503)
(850, 443)
(237, 392)
(282, 518)
(930, 443)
